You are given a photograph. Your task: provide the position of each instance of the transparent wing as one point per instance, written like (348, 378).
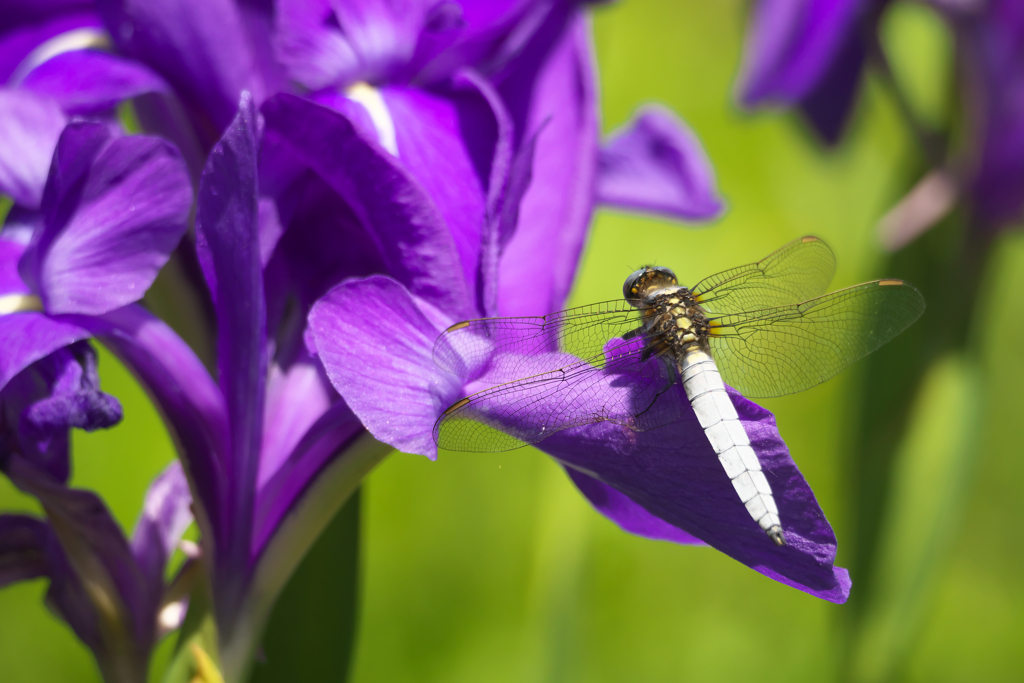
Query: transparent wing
(496, 350)
(783, 350)
(624, 390)
(797, 272)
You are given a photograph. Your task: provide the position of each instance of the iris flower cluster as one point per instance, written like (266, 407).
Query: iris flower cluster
(811, 55)
(339, 182)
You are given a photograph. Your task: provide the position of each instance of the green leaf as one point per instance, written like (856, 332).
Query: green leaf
(312, 628)
(932, 473)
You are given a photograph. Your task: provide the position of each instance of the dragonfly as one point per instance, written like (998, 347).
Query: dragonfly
(766, 328)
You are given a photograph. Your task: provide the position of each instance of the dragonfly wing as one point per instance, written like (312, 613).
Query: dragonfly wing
(501, 418)
(797, 272)
(787, 349)
(497, 350)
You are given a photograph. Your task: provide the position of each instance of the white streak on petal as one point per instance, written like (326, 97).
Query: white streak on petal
(15, 303)
(75, 39)
(371, 99)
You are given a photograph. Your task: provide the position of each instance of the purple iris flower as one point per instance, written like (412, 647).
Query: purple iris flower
(440, 163)
(54, 68)
(110, 213)
(375, 335)
(808, 54)
(376, 340)
(477, 85)
(112, 210)
(109, 589)
(992, 54)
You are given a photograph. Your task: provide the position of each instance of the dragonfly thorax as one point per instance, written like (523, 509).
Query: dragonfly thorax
(673, 323)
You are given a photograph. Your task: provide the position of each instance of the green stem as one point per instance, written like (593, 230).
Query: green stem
(289, 544)
(947, 264)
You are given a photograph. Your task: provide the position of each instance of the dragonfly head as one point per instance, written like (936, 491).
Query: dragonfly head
(647, 280)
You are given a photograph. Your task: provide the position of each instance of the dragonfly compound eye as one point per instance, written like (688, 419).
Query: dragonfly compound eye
(631, 288)
(664, 276)
(646, 280)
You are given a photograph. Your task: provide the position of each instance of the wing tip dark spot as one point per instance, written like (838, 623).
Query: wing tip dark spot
(809, 238)
(889, 283)
(458, 326)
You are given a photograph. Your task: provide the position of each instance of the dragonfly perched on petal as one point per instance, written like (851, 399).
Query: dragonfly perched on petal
(766, 328)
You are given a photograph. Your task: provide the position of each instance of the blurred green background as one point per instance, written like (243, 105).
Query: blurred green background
(493, 568)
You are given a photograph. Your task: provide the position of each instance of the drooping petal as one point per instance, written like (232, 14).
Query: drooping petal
(23, 542)
(166, 513)
(29, 336)
(828, 105)
(376, 344)
(553, 85)
(47, 450)
(75, 399)
(791, 46)
(29, 549)
(114, 209)
(227, 239)
(656, 164)
(19, 226)
(673, 473)
(48, 398)
(411, 235)
(29, 128)
(626, 513)
(97, 549)
(201, 47)
(188, 397)
(88, 81)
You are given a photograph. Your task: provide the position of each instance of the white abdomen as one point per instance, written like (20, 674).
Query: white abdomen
(714, 409)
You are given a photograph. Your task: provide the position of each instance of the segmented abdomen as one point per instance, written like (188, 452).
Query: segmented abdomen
(715, 411)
